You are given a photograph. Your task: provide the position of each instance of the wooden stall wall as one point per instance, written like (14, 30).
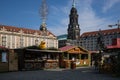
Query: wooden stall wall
(3, 65)
(13, 61)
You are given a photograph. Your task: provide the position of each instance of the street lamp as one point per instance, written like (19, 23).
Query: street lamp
(101, 46)
(100, 39)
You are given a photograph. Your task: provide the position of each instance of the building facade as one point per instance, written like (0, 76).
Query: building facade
(62, 39)
(89, 40)
(14, 37)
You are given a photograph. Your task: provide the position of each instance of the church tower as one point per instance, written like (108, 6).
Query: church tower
(73, 26)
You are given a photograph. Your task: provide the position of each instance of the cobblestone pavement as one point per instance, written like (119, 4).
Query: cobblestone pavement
(57, 74)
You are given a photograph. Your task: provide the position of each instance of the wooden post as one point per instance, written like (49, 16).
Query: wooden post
(79, 56)
(68, 56)
(89, 58)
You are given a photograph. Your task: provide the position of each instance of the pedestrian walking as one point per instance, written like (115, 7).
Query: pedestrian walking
(96, 65)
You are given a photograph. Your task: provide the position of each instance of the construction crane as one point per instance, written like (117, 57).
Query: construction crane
(118, 24)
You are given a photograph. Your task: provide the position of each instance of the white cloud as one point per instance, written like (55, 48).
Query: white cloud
(88, 19)
(109, 4)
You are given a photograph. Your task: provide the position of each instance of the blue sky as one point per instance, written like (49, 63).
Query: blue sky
(93, 14)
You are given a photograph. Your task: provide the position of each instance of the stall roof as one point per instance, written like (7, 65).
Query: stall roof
(113, 47)
(2, 47)
(54, 51)
(69, 47)
(66, 48)
(115, 44)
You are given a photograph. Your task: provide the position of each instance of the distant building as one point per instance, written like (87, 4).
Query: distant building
(88, 40)
(62, 39)
(113, 49)
(14, 37)
(115, 44)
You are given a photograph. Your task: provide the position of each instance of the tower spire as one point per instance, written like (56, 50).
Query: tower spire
(73, 5)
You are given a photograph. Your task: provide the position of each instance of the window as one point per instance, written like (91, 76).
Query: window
(3, 40)
(21, 42)
(36, 42)
(84, 56)
(3, 57)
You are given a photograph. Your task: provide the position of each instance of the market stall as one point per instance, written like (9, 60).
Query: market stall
(33, 59)
(74, 55)
(4, 65)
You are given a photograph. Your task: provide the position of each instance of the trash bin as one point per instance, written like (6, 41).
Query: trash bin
(73, 65)
(67, 64)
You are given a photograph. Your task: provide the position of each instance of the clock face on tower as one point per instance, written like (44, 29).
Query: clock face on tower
(76, 36)
(76, 26)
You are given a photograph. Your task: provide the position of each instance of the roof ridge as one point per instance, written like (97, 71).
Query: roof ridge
(18, 27)
(7, 26)
(68, 46)
(103, 31)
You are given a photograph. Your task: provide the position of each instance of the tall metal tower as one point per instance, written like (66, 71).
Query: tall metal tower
(43, 14)
(43, 11)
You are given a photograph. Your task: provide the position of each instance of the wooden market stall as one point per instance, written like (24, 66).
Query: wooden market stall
(4, 66)
(78, 55)
(13, 60)
(34, 59)
(111, 57)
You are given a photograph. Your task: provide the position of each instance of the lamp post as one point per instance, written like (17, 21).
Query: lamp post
(100, 40)
(100, 44)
